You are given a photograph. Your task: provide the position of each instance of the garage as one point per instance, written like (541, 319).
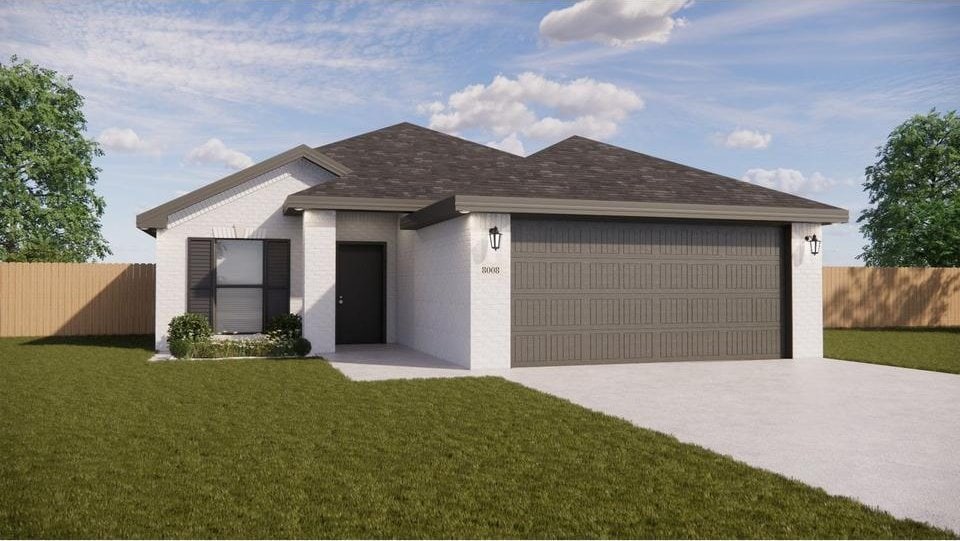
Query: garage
(591, 291)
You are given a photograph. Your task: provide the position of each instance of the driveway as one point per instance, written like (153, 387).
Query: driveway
(889, 437)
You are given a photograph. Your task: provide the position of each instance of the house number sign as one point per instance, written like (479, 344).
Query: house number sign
(489, 270)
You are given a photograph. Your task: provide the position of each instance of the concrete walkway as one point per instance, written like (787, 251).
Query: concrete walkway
(888, 437)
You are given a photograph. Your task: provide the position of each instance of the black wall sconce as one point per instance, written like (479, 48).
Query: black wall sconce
(814, 243)
(495, 238)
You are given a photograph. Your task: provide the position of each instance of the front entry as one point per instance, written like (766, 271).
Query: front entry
(360, 297)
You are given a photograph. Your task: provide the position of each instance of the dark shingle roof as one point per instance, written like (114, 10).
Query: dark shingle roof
(406, 161)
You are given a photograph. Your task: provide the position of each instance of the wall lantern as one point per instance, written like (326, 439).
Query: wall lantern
(814, 243)
(495, 238)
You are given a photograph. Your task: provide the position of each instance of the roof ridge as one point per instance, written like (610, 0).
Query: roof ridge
(421, 128)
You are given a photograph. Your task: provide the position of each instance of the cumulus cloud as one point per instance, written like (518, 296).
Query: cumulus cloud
(508, 108)
(215, 152)
(510, 144)
(618, 23)
(741, 138)
(789, 180)
(125, 140)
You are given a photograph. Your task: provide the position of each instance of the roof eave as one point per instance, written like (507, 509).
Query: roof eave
(455, 206)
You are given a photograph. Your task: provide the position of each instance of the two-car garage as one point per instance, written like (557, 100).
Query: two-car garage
(605, 291)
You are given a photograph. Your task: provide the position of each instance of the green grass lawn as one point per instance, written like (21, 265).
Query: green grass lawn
(923, 349)
(96, 442)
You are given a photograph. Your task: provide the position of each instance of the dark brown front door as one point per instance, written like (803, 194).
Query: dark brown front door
(360, 293)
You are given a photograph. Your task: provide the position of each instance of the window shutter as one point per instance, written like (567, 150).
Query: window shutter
(201, 279)
(276, 279)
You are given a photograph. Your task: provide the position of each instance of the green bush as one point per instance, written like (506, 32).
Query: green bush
(190, 327)
(181, 349)
(302, 346)
(285, 327)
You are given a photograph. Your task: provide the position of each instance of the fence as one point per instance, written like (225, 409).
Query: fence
(70, 299)
(891, 297)
(64, 299)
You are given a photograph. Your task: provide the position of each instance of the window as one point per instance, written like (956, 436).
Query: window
(239, 285)
(239, 304)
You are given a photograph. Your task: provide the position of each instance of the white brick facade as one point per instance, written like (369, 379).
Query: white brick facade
(454, 291)
(250, 210)
(806, 293)
(433, 275)
(319, 278)
(489, 293)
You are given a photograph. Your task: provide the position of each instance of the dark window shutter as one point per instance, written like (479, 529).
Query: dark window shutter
(201, 281)
(276, 279)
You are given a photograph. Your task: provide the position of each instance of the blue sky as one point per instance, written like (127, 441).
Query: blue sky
(793, 95)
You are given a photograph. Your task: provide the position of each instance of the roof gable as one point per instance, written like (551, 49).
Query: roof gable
(158, 217)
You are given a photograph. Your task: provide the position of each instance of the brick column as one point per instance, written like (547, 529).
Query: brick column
(807, 293)
(319, 279)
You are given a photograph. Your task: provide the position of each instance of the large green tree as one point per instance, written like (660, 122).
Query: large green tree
(915, 191)
(49, 210)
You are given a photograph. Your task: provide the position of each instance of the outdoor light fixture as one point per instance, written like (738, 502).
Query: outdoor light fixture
(814, 243)
(495, 238)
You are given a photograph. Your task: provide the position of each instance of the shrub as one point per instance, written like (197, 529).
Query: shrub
(190, 327)
(247, 347)
(285, 327)
(302, 346)
(180, 348)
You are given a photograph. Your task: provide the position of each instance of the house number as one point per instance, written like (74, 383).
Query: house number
(489, 270)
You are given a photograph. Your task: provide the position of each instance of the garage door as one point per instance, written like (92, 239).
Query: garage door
(614, 292)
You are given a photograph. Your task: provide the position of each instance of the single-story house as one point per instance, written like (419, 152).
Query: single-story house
(583, 252)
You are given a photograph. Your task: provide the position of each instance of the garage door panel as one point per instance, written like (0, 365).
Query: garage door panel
(637, 292)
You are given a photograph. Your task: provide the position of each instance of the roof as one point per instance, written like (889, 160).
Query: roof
(406, 161)
(405, 167)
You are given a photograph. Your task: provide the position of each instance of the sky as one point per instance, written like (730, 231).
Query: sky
(795, 96)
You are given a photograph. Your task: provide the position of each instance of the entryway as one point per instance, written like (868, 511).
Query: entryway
(361, 293)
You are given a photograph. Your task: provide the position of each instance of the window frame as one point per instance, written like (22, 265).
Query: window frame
(263, 287)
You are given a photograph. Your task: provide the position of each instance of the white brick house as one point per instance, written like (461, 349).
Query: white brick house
(581, 253)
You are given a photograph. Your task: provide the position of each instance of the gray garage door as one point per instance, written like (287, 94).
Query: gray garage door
(613, 292)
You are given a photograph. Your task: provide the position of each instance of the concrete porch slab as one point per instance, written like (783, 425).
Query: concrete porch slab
(377, 362)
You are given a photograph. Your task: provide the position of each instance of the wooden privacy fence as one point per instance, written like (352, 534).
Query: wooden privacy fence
(891, 297)
(71, 299)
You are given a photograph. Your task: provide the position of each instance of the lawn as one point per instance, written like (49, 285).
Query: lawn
(921, 348)
(97, 442)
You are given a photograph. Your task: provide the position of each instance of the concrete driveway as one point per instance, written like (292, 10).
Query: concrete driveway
(889, 437)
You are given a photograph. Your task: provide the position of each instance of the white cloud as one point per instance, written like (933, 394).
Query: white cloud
(512, 107)
(510, 144)
(125, 140)
(214, 151)
(741, 138)
(789, 180)
(614, 22)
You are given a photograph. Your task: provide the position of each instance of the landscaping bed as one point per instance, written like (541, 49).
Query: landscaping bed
(924, 349)
(97, 442)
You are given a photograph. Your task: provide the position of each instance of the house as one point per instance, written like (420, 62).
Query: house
(581, 253)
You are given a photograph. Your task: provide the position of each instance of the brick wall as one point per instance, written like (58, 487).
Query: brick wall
(250, 210)
(807, 293)
(433, 274)
(319, 276)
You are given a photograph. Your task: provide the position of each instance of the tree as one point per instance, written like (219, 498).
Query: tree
(915, 187)
(49, 210)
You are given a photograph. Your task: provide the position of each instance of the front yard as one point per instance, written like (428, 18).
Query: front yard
(96, 442)
(921, 348)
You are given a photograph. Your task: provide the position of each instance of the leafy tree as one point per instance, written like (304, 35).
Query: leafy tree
(915, 187)
(49, 210)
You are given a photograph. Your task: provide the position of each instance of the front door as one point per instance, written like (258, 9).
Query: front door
(360, 293)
